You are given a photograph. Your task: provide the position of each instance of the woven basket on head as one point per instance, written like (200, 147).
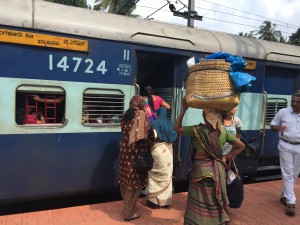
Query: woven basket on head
(208, 85)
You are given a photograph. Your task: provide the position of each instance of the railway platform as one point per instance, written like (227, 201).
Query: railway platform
(261, 206)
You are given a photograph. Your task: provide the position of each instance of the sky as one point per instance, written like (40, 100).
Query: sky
(230, 16)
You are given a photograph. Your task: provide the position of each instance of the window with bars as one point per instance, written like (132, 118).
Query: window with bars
(273, 106)
(40, 105)
(100, 106)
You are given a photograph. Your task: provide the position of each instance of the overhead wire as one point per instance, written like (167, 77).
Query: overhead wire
(156, 11)
(284, 24)
(249, 13)
(244, 17)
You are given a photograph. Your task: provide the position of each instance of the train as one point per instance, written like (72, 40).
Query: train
(79, 68)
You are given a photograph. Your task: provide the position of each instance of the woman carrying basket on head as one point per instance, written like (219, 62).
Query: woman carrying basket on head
(207, 201)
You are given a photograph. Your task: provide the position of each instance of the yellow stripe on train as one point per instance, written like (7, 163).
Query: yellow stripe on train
(43, 40)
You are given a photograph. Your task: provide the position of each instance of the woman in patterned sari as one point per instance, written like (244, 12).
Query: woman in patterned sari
(207, 201)
(137, 135)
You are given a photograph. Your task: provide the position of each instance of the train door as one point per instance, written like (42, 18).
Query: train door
(161, 71)
(279, 85)
(164, 73)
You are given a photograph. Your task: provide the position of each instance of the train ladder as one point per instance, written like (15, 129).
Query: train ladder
(50, 105)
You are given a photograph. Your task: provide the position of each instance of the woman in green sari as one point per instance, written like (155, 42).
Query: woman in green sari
(207, 201)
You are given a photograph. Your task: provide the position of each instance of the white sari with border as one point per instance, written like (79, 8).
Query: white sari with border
(159, 188)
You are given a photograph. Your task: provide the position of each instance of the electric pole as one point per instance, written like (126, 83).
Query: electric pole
(190, 15)
(191, 9)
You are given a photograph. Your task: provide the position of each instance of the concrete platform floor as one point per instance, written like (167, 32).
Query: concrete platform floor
(261, 206)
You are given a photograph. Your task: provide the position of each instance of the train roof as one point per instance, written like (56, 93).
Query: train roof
(47, 16)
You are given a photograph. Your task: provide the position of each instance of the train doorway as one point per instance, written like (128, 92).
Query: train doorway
(165, 73)
(162, 72)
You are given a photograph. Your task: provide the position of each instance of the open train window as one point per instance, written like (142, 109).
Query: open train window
(40, 105)
(102, 107)
(273, 106)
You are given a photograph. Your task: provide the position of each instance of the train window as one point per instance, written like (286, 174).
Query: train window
(273, 106)
(40, 105)
(102, 107)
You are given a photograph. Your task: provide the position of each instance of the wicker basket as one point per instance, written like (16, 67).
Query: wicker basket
(208, 85)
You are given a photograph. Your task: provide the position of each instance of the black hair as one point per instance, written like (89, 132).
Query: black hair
(224, 115)
(148, 92)
(297, 94)
(129, 115)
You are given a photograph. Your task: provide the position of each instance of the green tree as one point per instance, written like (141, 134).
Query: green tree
(114, 6)
(107, 5)
(251, 34)
(267, 31)
(295, 38)
(282, 39)
(77, 3)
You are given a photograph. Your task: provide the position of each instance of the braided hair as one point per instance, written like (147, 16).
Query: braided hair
(148, 93)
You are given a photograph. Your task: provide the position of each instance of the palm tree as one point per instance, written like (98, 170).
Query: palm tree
(114, 6)
(77, 3)
(295, 38)
(251, 34)
(282, 39)
(107, 5)
(268, 32)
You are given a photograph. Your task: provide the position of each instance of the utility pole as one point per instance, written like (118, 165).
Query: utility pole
(190, 15)
(191, 9)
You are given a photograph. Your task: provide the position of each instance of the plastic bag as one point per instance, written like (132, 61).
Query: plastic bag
(219, 55)
(191, 62)
(241, 80)
(237, 62)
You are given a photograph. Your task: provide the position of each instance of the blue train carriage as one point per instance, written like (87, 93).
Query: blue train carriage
(84, 66)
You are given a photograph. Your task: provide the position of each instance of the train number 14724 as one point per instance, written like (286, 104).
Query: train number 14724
(87, 64)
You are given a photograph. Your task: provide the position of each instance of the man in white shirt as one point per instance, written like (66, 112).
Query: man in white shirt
(287, 123)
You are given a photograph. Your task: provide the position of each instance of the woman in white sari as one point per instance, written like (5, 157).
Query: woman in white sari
(159, 188)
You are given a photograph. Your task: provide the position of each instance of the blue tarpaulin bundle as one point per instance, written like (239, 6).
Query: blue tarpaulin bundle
(239, 79)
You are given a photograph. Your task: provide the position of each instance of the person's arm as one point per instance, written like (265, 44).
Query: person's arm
(162, 102)
(178, 123)
(239, 125)
(276, 123)
(41, 118)
(278, 128)
(58, 100)
(237, 148)
(166, 105)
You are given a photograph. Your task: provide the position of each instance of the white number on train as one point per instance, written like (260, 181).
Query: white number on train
(101, 67)
(87, 64)
(63, 63)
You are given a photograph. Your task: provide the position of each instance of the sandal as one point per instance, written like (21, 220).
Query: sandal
(135, 216)
(152, 205)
